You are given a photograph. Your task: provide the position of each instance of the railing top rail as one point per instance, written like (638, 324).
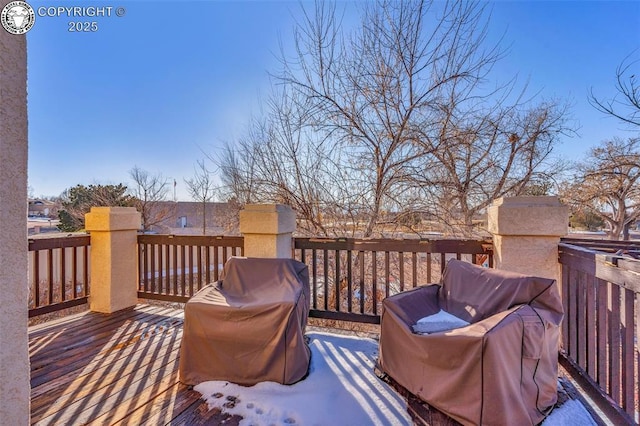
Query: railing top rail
(620, 270)
(398, 245)
(191, 240)
(627, 253)
(59, 242)
(607, 246)
(569, 246)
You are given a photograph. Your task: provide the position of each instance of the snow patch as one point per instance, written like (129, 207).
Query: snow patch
(341, 389)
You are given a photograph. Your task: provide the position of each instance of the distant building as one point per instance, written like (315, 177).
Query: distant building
(185, 218)
(42, 208)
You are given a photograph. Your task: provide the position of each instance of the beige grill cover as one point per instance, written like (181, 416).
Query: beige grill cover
(501, 369)
(249, 326)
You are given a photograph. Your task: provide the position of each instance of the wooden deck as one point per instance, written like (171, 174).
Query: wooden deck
(122, 369)
(113, 369)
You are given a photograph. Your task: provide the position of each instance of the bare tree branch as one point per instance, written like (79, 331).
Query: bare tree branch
(201, 188)
(607, 185)
(625, 105)
(148, 193)
(394, 117)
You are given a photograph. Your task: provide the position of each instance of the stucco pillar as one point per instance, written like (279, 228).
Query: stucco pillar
(114, 255)
(526, 232)
(267, 230)
(14, 352)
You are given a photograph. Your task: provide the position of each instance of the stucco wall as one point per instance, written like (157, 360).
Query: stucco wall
(14, 358)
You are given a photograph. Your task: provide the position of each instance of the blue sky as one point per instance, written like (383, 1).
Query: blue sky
(169, 80)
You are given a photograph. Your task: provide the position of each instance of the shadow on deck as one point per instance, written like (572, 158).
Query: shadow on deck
(122, 368)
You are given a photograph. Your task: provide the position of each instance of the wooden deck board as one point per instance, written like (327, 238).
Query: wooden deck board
(96, 330)
(125, 361)
(162, 410)
(114, 362)
(122, 369)
(122, 375)
(63, 359)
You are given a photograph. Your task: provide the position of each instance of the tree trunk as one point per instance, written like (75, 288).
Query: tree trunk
(616, 230)
(625, 231)
(204, 218)
(373, 219)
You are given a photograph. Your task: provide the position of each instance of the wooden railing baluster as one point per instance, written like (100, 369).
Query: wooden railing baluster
(51, 271)
(325, 284)
(36, 275)
(314, 278)
(414, 269)
(63, 275)
(401, 268)
(374, 280)
(183, 263)
(337, 278)
(349, 281)
(363, 293)
(600, 287)
(50, 276)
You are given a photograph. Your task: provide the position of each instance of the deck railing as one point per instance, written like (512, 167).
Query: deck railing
(174, 267)
(58, 273)
(600, 333)
(349, 278)
(356, 273)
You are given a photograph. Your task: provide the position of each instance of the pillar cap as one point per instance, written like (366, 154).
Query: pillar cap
(271, 219)
(531, 201)
(530, 216)
(112, 219)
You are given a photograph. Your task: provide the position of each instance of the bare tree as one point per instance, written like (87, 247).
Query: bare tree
(625, 105)
(149, 191)
(607, 184)
(369, 124)
(237, 165)
(370, 93)
(487, 154)
(201, 188)
(279, 160)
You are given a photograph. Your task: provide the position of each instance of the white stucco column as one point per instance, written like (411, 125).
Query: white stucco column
(114, 257)
(526, 232)
(14, 346)
(267, 230)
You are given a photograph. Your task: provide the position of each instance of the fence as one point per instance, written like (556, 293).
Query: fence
(350, 277)
(600, 331)
(172, 267)
(358, 274)
(59, 273)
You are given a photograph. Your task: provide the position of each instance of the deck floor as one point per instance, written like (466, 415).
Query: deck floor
(122, 369)
(113, 369)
